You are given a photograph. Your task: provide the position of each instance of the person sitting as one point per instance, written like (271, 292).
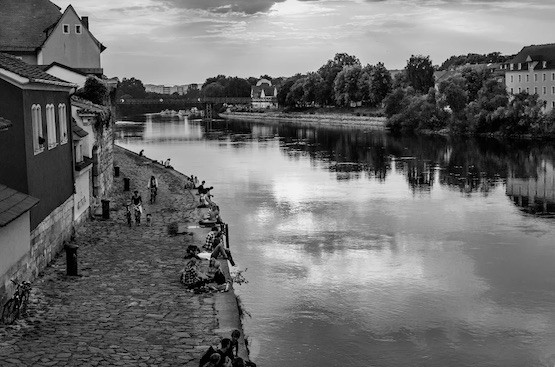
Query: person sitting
(214, 360)
(167, 163)
(225, 352)
(207, 246)
(220, 250)
(191, 276)
(235, 335)
(141, 152)
(200, 187)
(192, 251)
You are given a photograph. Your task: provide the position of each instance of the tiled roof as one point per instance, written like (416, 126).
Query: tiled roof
(78, 132)
(538, 53)
(257, 91)
(13, 204)
(4, 124)
(17, 32)
(32, 72)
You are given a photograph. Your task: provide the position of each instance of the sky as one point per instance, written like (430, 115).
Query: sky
(186, 41)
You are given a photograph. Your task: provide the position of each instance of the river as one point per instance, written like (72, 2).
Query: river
(366, 249)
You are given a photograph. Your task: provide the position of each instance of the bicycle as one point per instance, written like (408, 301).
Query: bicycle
(153, 192)
(17, 305)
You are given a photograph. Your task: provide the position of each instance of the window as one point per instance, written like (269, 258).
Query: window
(553, 76)
(535, 77)
(65, 28)
(512, 79)
(535, 90)
(544, 64)
(511, 90)
(519, 78)
(544, 90)
(519, 66)
(36, 120)
(553, 104)
(51, 126)
(519, 90)
(78, 28)
(544, 77)
(62, 115)
(512, 66)
(527, 90)
(552, 90)
(527, 77)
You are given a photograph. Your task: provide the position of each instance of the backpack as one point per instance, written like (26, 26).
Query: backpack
(206, 356)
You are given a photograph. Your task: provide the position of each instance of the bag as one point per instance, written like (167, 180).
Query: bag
(206, 356)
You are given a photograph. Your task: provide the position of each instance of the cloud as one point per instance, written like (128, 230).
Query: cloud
(225, 6)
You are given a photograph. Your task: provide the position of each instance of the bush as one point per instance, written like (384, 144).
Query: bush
(173, 227)
(94, 90)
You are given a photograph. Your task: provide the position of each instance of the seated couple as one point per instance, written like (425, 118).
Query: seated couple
(194, 278)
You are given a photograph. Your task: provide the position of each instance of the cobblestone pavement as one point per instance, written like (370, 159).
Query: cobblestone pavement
(127, 308)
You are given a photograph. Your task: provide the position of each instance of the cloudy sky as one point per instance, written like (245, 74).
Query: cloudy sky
(186, 41)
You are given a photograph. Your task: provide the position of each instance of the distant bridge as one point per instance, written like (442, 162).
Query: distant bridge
(207, 103)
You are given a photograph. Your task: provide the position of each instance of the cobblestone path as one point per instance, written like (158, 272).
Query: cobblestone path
(127, 308)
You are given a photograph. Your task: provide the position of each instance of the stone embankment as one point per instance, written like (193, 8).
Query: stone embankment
(127, 306)
(331, 119)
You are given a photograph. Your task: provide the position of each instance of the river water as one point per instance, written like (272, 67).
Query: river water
(365, 249)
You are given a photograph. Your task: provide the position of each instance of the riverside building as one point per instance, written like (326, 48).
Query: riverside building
(532, 71)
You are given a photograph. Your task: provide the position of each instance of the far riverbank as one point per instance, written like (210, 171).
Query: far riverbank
(331, 119)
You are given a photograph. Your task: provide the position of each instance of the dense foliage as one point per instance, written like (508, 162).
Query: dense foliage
(471, 58)
(94, 90)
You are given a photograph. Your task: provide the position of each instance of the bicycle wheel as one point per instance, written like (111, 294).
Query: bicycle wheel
(10, 312)
(24, 303)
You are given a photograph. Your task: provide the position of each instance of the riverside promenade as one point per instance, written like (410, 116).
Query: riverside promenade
(127, 307)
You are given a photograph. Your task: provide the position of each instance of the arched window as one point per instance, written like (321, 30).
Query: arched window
(38, 137)
(51, 126)
(62, 115)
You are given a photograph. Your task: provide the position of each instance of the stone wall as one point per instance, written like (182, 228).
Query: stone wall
(103, 169)
(46, 241)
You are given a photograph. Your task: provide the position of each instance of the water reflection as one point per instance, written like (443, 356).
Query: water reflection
(365, 248)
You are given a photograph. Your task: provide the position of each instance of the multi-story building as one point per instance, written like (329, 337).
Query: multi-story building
(39, 34)
(264, 95)
(166, 89)
(37, 163)
(532, 70)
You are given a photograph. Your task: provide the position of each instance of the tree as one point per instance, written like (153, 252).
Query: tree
(133, 87)
(380, 84)
(295, 95)
(237, 87)
(346, 85)
(420, 73)
(213, 89)
(522, 115)
(454, 94)
(329, 71)
(94, 90)
(475, 79)
(284, 89)
(313, 89)
(485, 114)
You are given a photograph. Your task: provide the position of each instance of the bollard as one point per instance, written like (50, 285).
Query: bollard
(71, 259)
(105, 209)
(116, 171)
(126, 184)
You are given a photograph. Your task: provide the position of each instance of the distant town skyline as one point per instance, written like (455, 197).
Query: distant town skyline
(186, 41)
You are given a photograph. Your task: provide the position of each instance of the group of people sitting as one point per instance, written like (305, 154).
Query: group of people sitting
(213, 279)
(226, 355)
(191, 182)
(205, 197)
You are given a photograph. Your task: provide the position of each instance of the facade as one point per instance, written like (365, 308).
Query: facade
(264, 95)
(166, 89)
(37, 33)
(37, 159)
(532, 70)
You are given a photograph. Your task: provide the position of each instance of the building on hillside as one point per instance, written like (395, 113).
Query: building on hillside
(37, 159)
(532, 70)
(38, 33)
(264, 95)
(166, 89)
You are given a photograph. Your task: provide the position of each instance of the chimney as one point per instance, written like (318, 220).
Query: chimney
(85, 21)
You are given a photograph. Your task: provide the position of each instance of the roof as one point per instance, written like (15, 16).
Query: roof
(78, 132)
(31, 72)
(55, 63)
(17, 33)
(4, 124)
(268, 91)
(538, 53)
(13, 204)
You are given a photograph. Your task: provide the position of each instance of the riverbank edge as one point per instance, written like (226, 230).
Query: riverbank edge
(309, 119)
(226, 304)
